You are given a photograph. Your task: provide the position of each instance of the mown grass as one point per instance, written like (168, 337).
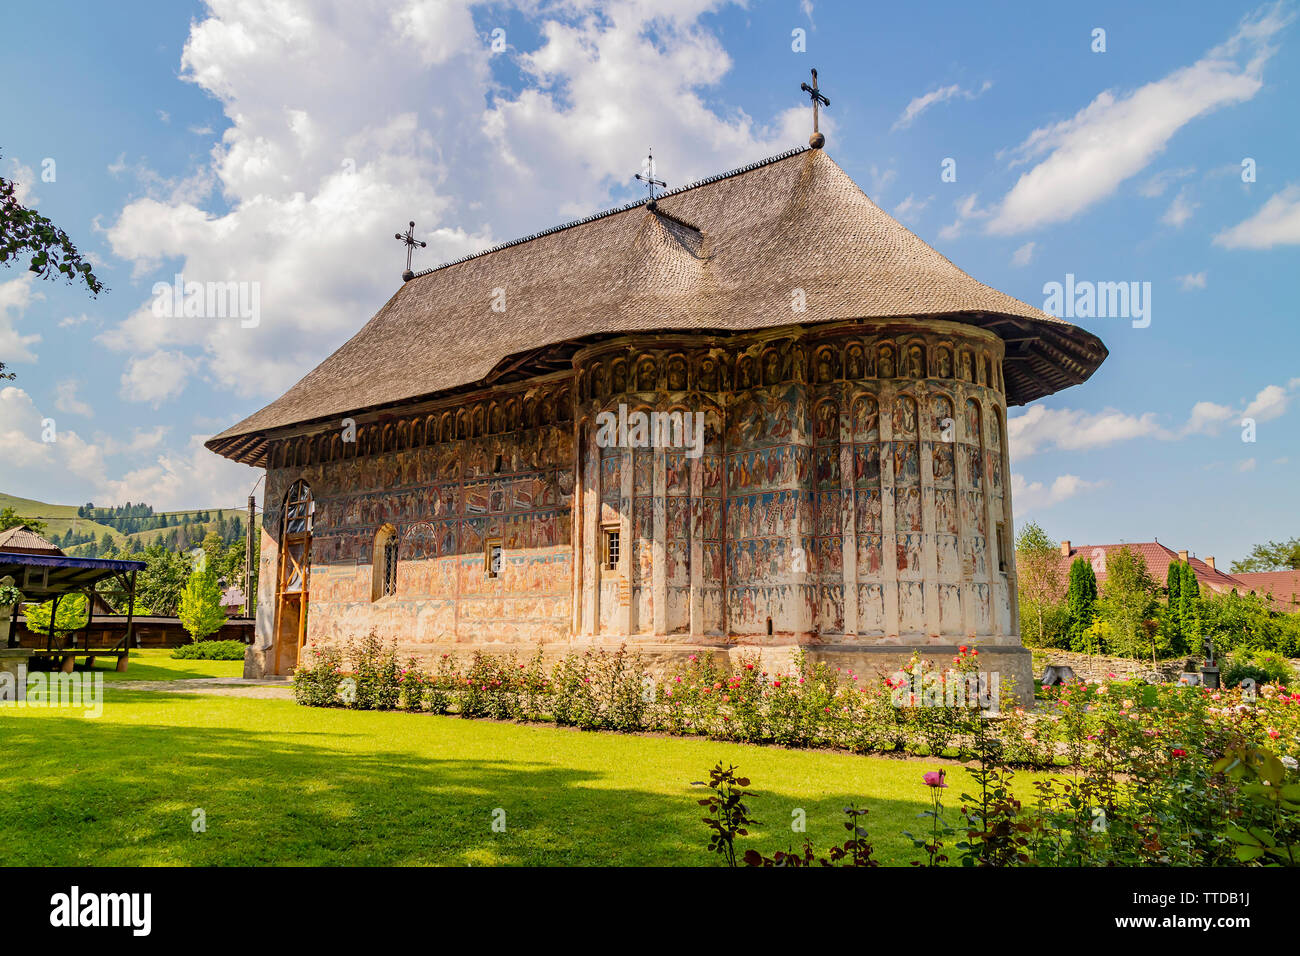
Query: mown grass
(156, 663)
(283, 784)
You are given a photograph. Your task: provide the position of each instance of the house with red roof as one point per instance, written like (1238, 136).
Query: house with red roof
(1282, 588)
(1158, 557)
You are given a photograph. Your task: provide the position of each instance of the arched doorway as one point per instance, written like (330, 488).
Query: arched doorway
(294, 577)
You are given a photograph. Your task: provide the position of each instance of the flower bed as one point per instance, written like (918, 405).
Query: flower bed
(1130, 725)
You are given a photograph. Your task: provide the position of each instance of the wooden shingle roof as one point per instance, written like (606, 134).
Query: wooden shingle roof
(723, 255)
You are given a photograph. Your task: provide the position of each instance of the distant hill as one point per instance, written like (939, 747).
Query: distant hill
(58, 518)
(181, 526)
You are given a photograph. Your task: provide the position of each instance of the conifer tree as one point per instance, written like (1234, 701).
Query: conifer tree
(1081, 602)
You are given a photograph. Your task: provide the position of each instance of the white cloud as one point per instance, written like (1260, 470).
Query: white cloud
(1083, 159)
(1039, 428)
(1032, 496)
(1271, 402)
(1157, 184)
(1193, 280)
(1069, 429)
(66, 399)
(15, 296)
(1247, 465)
(310, 194)
(967, 208)
(70, 469)
(1207, 417)
(1276, 224)
(941, 95)
(1024, 255)
(156, 377)
(1180, 210)
(23, 179)
(911, 208)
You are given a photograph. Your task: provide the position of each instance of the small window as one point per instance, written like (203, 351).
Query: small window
(611, 549)
(492, 557)
(385, 563)
(1002, 548)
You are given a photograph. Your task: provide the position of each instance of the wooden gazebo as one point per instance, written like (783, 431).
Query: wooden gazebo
(45, 576)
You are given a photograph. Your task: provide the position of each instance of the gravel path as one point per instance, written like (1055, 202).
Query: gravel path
(221, 686)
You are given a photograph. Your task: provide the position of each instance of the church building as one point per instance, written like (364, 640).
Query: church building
(755, 413)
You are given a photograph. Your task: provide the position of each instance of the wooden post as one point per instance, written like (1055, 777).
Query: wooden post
(130, 625)
(13, 627)
(248, 559)
(54, 616)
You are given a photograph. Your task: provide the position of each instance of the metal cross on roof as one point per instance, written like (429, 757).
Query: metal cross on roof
(816, 140)
(649, 178)
(411, 243)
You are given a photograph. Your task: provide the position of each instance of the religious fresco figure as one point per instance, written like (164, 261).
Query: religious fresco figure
(965, 373)
(866, 420)
(744, 373)
(708, 380)
(854, 370)
(647, 375)
(905, 416)
(771, 368)
(619, 377)
(916, 362)
(886, 361)
(944, 356)
(676, 374)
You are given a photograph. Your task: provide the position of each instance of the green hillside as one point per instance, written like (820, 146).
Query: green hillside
(58, 518)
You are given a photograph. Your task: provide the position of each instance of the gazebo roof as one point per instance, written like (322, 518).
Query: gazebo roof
(21, 539)
(43, 575)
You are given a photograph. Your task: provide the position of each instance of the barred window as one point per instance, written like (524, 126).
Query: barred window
(385, 563)
(492, 558)
(611, 549)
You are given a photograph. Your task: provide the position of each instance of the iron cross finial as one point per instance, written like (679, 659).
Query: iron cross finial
(411, 243)
(816, 140)
(649, 177)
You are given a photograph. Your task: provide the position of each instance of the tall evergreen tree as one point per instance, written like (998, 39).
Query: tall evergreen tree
(1189, 610)
(1081, 602)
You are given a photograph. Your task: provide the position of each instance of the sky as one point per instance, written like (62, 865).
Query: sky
(280, 144)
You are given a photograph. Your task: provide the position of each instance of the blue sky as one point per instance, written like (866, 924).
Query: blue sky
(283, 143)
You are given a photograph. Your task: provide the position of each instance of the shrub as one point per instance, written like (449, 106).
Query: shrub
(376, 673)
(1263, 667)
(316, 681)
(211, 651)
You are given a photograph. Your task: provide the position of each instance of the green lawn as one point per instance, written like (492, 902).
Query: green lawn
(153, 663)
(283, 784)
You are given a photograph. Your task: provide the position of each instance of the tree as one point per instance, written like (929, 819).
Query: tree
(11, 519)
(200, 609)
(25, 232)
(1081, 603)
(162, 581)
(1127, 604)
(72, 615)
(1273, 556)
(1038, 566)
(1189, 610)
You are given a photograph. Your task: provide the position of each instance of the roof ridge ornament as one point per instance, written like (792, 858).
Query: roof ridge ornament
(816, 140)
(411, 243)
(649, 178)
